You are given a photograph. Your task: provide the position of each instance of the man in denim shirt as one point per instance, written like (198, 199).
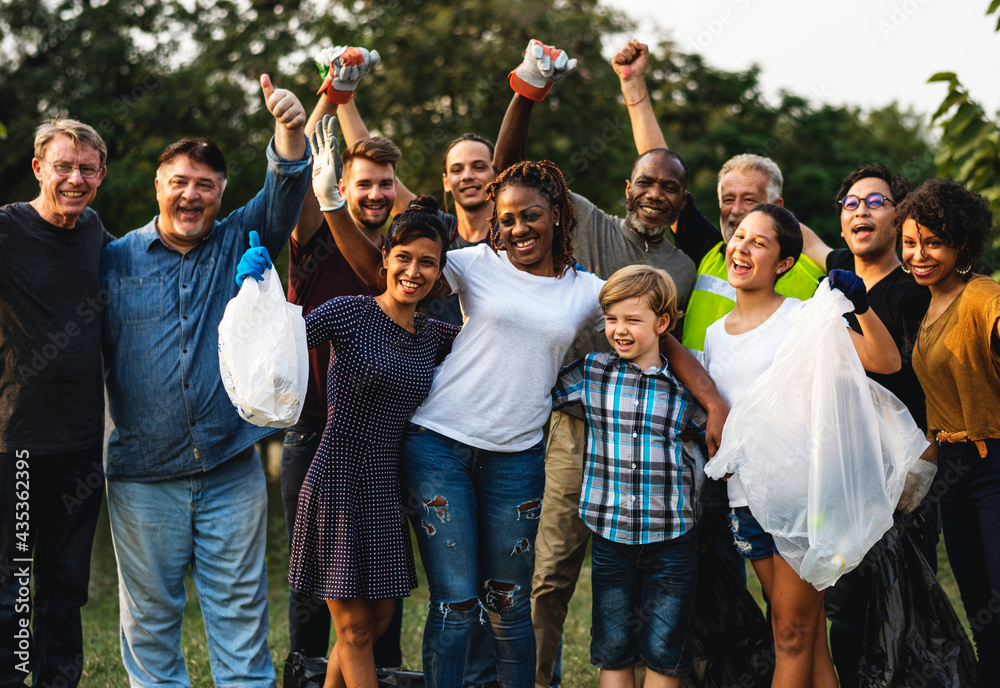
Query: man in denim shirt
(185, 485)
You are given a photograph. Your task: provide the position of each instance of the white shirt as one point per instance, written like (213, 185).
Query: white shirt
(735, 361)
(493, 391)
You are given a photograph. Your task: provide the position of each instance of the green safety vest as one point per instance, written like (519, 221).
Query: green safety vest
(713, 296)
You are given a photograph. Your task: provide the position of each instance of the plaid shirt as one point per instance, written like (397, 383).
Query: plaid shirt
(638, 485)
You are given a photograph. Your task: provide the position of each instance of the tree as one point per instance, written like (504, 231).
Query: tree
(969, 151)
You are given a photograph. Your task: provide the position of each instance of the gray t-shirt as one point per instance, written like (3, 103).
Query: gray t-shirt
(604, 245)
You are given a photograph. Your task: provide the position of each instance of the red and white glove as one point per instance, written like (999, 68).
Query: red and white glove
(543, 65)
(342, 68)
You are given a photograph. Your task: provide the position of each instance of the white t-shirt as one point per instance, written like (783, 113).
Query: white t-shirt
(493, 391)
(735, 361)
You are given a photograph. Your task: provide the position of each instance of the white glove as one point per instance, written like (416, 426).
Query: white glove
(326, 164)
(542, 65)
(342, 68)
(918, 482)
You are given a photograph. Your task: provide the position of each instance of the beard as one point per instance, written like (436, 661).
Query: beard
(654, 233)
(367, 218)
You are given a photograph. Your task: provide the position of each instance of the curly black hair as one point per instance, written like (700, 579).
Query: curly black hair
(959, 217)
(545, 176)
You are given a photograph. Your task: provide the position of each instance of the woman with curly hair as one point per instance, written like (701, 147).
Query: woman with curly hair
(944, 229)
(473, 460)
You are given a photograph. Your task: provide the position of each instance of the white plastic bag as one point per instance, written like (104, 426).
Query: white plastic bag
(821, 450)
(263, 355)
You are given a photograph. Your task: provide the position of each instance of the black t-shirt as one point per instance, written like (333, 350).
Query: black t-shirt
(900, 303)
(51, 386)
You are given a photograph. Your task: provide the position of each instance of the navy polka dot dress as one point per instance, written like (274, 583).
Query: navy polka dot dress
(350, 537)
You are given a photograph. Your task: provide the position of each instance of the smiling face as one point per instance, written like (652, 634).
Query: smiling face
(931, 261)
(739, 192)
(62, 198)
(369, 190)
(869, 232)
(634, 330)
(411, 270)
(468, 169)
(753, 254)
(656, 194)
(189, 194)
(525, 220)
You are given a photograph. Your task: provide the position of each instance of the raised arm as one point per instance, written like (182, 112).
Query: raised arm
(695, 378)
(875, 346)
(542, 66)
(364, 257)
(630, 65)
(289, 120)
(813, 247)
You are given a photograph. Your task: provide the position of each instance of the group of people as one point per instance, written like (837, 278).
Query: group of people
(440, 351)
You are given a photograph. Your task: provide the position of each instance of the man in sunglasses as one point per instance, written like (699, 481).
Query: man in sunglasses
(51, 406)
(865, 203)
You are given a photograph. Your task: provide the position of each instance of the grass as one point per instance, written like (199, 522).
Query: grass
(100, 616)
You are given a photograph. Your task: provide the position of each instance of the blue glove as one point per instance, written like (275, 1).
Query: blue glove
(853, 288)
(254, 262)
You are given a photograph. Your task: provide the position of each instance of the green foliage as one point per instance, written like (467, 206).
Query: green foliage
(148, 72)
(709, 115)
(969, 151)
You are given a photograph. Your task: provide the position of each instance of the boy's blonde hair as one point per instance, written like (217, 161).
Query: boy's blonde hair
(642, 281)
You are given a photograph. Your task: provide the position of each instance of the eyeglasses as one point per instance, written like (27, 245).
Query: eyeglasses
(64, 169)
(872, 201)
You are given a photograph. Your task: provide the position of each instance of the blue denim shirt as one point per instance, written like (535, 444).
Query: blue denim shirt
(172, 415)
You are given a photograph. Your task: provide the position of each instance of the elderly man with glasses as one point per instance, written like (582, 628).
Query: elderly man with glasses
(51, 406)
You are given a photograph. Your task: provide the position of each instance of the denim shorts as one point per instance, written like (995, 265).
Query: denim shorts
(644, 604)
(752, 541)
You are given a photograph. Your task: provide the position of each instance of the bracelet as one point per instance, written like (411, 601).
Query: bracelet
(644, 96)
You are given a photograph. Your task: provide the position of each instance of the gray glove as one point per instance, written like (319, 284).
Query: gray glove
(542, 65)
(342, 68)
(918, 482)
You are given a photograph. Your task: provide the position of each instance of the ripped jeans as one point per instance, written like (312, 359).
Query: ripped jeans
(475, 513)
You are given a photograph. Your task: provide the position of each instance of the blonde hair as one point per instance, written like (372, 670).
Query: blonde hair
(642, 281)
(79, 133)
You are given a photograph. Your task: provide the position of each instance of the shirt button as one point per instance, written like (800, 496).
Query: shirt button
(632, 497)
(633, 465)
(186, 386)
(184, 317)
(635, 434)
(184, 351)
(184, 286)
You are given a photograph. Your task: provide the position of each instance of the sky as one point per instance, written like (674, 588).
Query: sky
(849, 52)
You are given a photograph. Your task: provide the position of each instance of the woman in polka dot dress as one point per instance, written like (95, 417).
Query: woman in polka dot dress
(351, 546)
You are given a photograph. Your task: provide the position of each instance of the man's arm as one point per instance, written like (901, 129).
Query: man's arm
(289, 120)
(630, 65)
(813, 247)
(695, 378)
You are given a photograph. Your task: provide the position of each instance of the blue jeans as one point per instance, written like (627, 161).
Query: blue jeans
(62, 493)
(970, 516)
(216, 524)
(643, 608)
(475, 513)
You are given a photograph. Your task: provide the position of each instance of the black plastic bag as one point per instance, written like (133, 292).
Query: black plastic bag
(912, 635)
(733, 645)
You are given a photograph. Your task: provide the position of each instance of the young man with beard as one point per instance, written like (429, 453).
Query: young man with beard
(656, 193)
(51, 406)
(865, 203)
(186, 489)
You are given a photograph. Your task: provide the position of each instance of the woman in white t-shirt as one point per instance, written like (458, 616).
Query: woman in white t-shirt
(738, 349)
(473, 462)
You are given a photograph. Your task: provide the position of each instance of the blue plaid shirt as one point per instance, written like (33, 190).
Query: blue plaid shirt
(172, 415)
(638, 485)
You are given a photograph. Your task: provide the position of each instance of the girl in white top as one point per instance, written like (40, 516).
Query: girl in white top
(738, 348)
